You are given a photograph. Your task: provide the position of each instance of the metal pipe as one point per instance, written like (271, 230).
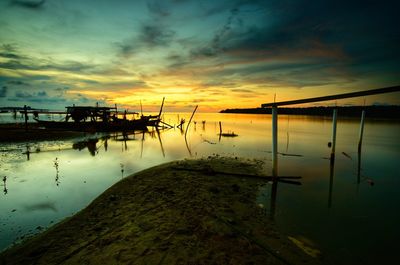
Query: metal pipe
(361, 130)
(274, 141)
(334, 122)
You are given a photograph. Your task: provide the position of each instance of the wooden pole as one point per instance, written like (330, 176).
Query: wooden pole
(334, 122)
(26, 118)
(275, 141)
(337, 96)
(220, 128)
(187, 127)
(162, 105)
(361, 130)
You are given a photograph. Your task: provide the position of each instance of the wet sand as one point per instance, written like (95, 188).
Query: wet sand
(184, 212)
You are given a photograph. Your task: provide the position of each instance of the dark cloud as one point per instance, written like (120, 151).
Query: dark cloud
(30, 4)
(334, 33)
(42, 94)
(216, 45)
(23, 94)
(16, 61)
(151, 34)
(3, 91)
(156, 35)
(17, 83)
(240, 90)
(9, 55)
(30, 64)
(61, 91)
(9, 51)
(158, 8)
(37, 97)
(126, 48)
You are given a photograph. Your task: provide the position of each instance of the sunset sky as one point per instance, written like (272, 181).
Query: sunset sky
(215, 54)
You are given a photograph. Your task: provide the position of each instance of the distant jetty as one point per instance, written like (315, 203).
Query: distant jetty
(387, 112)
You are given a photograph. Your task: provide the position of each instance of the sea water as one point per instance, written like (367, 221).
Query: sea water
(348, 210)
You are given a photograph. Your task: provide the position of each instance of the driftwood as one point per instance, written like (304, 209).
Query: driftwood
(210, 171)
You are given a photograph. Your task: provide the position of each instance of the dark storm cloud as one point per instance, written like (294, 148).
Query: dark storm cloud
(30, 4)
(350, 32)
(3, 91)
(302, 43)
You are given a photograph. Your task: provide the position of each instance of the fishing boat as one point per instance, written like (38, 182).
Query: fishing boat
(99, 119)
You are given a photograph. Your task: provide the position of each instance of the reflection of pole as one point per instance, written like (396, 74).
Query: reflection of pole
(141, 148)
(334, 122)
(159, 139)
(274, 191)
(274, 141)
(359, 167)
(28, 152)
(5, 190)
(361, 131)
(331, 173)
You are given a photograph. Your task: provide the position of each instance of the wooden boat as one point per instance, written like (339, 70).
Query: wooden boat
(98, 119)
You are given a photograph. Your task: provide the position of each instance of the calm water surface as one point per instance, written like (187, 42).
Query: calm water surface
(349, 212)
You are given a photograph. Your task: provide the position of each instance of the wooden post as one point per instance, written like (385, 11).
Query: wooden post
(187, 127)
(274, 141)
(26, 117)
(162, 105)
(334, 122)
(220, 128)
(361, 130)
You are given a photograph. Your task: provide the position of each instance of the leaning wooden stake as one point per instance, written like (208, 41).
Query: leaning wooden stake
(187, 127)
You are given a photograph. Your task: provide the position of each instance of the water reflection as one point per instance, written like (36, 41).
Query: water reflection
(274, 192)
(291, 180)
(331, 174)
(57, 178)
(5, 190)
(358, 166)
(296, 209)
(90, 144)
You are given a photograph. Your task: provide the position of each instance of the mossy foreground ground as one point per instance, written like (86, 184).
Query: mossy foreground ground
(183, 212)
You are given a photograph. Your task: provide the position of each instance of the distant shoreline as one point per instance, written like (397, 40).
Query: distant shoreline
(387, 112)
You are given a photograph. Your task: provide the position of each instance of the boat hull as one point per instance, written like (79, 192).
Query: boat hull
(133, 125)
